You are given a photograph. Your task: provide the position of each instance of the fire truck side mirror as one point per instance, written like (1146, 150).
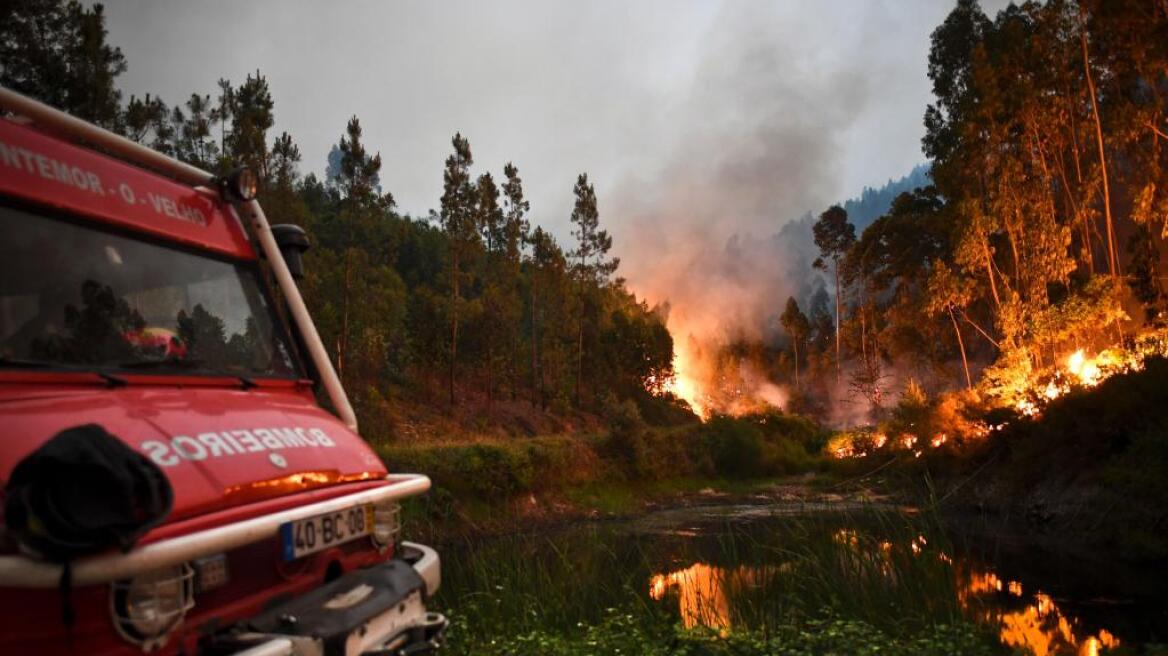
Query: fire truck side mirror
(293, 241)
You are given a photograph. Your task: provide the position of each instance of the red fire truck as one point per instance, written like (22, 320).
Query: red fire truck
(151, 301)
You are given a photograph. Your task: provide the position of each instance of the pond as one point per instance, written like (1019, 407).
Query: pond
(774, 571)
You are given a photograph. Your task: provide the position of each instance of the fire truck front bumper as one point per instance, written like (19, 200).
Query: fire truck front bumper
(377, 611)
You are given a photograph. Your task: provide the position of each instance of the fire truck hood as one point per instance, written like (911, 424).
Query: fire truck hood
(219, 447)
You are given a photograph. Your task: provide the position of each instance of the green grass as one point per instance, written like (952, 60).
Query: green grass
(613, 473)
(623, 635)
(810, 589)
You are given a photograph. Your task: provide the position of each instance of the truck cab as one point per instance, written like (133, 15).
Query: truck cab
(151, 299)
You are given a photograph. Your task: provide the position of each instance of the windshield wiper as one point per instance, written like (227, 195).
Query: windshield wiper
(18, 363)
(245, 383)
(169, 363)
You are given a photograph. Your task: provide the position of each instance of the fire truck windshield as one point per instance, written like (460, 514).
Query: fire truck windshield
(75, 296)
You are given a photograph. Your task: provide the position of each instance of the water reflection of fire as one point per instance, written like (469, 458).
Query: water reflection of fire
(1039, 627)
(701, 598)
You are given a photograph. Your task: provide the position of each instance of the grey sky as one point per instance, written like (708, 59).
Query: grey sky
(758, 111)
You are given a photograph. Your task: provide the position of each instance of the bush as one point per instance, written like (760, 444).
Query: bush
(735, 447)
(756, 446)
(496, 470)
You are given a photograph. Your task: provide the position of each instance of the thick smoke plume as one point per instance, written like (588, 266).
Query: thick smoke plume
(701, 235)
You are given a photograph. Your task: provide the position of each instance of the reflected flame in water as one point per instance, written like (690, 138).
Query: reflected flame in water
(701, 597)
(1039, 627)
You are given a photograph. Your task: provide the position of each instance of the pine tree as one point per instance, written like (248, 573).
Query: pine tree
(252, 117)
(458, 222)
(516, 235)
(490, 219)
(592, 270)
(360, 204)
(57, 53)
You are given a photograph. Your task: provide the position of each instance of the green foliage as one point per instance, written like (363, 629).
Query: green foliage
(624, 635)
(749, 447)
(834, 235)
(497, 470)
(56, 52)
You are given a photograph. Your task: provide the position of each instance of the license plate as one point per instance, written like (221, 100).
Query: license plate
(313, 534)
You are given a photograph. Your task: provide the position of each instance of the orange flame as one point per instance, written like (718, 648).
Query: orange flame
(1077, 369)
(683, 385)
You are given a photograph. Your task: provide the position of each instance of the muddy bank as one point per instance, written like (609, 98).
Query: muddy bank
(440, 519)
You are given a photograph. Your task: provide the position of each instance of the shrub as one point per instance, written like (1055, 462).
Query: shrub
(736, 447)
(496, 470)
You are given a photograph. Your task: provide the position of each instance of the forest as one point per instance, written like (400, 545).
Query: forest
(984, 339)
(1041, 234)
(1038, 233)
(473, 308)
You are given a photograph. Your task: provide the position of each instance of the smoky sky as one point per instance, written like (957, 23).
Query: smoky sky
(813, 99)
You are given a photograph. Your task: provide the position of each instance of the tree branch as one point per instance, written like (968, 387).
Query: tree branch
(978, 329)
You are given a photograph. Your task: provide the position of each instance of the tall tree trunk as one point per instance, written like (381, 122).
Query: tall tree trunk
(490, 376)
(989, 264)
(863, 332)
(838, 311)
(534, 346)
(579, 357)
(454, 303)
(795, 342)
(1112, 255)
(343, 342)
(980, 331)
(580, 332)
(961, 346)
(1080, 218)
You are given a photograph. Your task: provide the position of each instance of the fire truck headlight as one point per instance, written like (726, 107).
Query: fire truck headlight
(241, 184)
(149, 606)
(386, 523)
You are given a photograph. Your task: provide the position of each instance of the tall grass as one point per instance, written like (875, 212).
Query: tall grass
(492, 472)
(856, 573)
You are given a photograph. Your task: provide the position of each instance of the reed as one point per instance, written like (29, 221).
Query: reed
(874, 579)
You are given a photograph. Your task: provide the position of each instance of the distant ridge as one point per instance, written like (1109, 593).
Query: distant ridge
(872, 203)
(797, 244)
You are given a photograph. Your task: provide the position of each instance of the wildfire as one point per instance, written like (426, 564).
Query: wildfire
(711, 381)
(683, 385)
(1077, 370)
(1029, 394)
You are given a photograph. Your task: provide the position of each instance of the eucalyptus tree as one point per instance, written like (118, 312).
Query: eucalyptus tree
(797, 326)
(834, 236)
